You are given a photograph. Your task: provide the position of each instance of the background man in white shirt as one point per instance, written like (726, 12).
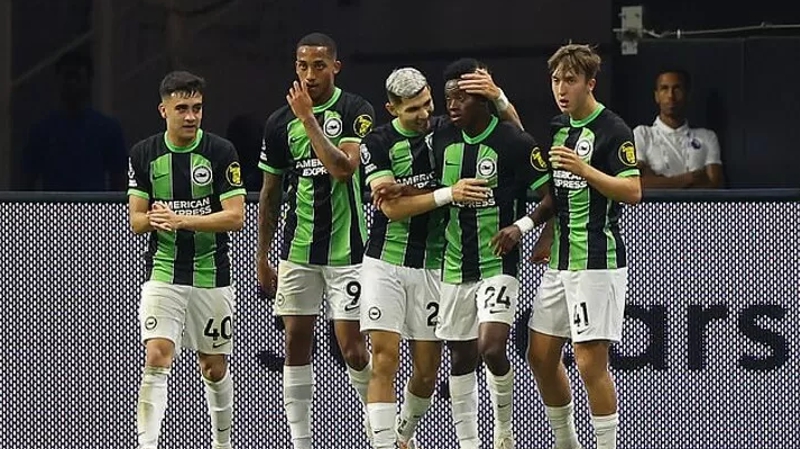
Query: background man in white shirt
(672, 155)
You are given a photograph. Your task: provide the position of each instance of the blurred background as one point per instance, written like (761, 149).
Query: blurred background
(744, 61)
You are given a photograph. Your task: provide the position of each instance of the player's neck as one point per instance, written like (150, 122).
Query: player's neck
(588, 107)
(475, 128)
(324, 98)
(673, 121)
(178, 141)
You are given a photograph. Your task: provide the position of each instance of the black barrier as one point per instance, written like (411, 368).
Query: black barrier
(708, 359)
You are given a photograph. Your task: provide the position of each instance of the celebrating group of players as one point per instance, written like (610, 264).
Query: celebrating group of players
(439, 263)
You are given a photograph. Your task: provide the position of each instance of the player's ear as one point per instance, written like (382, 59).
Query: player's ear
(591, 83)
(337, 67)
(391, 109)
(162, 109)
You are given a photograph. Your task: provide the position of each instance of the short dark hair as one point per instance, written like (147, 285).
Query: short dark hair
(318, 40)
(461, 67)
(683, 73)
(74, 60)
(182, 82)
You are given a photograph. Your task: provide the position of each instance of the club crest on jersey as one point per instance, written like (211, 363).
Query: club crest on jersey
(487, 168)
(627, 153)
(332, 126)
(375, 313)
(201, 175)
(537, 160)
(584, 148)
(234, 174)
(362, 125)
(365, 156)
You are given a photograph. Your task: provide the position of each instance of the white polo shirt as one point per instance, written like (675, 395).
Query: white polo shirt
(671, 152)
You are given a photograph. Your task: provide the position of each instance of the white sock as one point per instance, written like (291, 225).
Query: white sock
(412, 410)
(298, 392)
(464, 407)
(152, 405)
(605, 430)
(501, 390)
(381, 418)
(562, 421)
(360, 380)
(219, 397)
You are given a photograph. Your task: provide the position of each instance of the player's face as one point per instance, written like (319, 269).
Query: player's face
(463, 108)
(570, 90)
(414, 113)
(316, 68)
(183, 114)
(671, 94)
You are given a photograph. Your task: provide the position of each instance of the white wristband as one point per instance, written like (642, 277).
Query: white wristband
(525, 224)
(502, 102)
(443, 196)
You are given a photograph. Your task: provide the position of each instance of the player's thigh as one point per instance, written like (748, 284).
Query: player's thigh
(343, 291)
(596, 302)
(162, 311)
(458, 312)
(300, 289)
(423, 293)
(383, 299)
(210, 320)
(496, 299)
(550, 313)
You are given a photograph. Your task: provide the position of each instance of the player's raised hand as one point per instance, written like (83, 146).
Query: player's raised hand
(471, 190)
(267, 277)
(162, 217)
(565, 158)
(479, 82)
(505, 240)
(300, 101)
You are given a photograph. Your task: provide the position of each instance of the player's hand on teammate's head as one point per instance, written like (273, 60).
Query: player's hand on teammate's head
(479, 82)
(300, 101)
(505, 240)
(471, 190)
(567, 159)
(267, 277)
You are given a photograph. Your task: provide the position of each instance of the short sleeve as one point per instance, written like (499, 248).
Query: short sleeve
(714, 155)
(358, 122)
(621, 158)
(375, 158)
(228, 173)
(533, 171)
(138, 174)
(274, 156)
(640, 141)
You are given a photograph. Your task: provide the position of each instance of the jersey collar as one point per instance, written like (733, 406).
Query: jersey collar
(402, 131)
(587, 120)
(666, 128)
(482, 136)
(187, 148)
(334, 98)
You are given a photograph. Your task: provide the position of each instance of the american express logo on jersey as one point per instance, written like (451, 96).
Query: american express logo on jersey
(488, 202)
(310, 167)
(420, 181)
(191, 207)
(567, 180)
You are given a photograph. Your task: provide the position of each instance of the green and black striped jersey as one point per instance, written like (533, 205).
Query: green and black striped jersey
(587, 233)
(325, 223)
(415, 242)
(511, 162)
(192, 180)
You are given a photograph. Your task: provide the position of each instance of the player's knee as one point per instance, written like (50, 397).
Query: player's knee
(158, 353)
(385, 360)
(298, 343)
(539, 362)
(591, 365)
(493, 353)
(213, 368)
(424, 378)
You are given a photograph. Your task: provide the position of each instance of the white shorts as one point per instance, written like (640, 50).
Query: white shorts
(200, 319)
(301, 288)
(464, 306)
(584, 305)
(399, 299)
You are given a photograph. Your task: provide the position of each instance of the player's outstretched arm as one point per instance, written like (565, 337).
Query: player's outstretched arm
(469, 190)
(342, 162)
(137, 209)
